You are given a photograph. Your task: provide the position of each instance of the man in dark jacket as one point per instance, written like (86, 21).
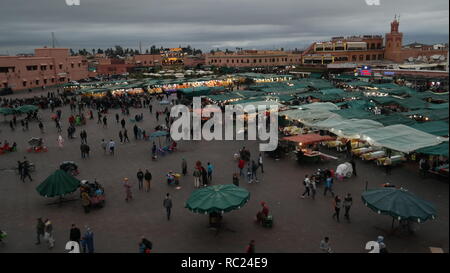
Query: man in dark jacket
(148, 179)
(167, 203)
(75, 234)
(140, 177)
(40, 227)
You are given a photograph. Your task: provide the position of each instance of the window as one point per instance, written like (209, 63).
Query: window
(354, 58)
(53, 80)
(32, 67)
(51, 67)
(254, 60)
(37, 82)
(380, 56)
(60, 66)
(361, 57)
(24, 84)
(71, 65)
(374, 57)
(43, 67)
(260, 60)
(248, 61)
(79, 64)
(45, 81)
(379, 46)
(367, 57)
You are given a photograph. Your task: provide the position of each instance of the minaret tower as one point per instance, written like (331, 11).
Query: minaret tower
(394, 42)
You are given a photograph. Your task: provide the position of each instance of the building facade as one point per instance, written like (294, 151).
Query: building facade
(253, 58)
(356, 49)
(369, 49)
(48, 66)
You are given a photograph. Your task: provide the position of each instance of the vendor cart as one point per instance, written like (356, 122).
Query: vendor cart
(92, 194)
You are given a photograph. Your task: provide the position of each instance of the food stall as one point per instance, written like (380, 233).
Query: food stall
(307, 147)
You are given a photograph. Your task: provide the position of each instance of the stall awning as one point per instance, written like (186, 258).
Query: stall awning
(400, 138)
(308, 138)
(437, 128)
(441, 149)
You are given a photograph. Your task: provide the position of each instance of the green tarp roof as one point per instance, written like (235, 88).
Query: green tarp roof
(437, 128)
(435, 106)
(354, 113)
(400, 138)
(441, 149)
(438, 114)
(393, 119)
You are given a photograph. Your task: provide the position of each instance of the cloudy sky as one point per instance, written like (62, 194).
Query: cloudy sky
(206, 24)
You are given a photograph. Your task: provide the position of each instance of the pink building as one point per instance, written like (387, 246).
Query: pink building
(48, 66)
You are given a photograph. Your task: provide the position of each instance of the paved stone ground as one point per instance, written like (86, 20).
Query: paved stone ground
(299, 224)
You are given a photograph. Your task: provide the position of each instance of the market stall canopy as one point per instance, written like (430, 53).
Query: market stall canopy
(26, 108)
(217, 199)
(348, 128)
(437, 128)
(308, 138)
(438, 114)
(354, 113)
(400, 138)
(7, 111)
(58, 184)
(307, 117)
(441, 149)
(257, 104)
(319, 106)
(392, 119)
(399, 203)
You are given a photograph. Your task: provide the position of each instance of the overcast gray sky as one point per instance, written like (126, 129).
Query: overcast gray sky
(206, 24)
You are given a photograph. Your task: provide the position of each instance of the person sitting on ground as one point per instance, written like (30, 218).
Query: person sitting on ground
(170, 177)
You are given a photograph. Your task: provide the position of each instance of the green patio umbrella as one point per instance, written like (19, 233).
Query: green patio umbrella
(58, 184)
(6, 111)
(217, 199)
(26, 108)
(399, 203)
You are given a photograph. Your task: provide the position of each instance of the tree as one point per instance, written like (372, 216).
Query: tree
(100, 51)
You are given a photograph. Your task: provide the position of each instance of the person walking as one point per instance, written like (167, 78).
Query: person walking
(40, 230)
(58, 126)
(250, 247)
(348, 202)
(148, 180)
(307, 184)
(122, 122)
(241, 166)
(117, 118)
(103, 145)
(121, 137)
(112, 146)
(75, 234)
(60, 142)
(140, 177)
(204, 176)
(48, 234)
(210, 169)
(260, 162)
(337, 207)
(328, 186)
(41, 127)
(105, 122)
(125, 136)
(197, 174)
(184, 166)
(82, 149)
(127, 186)
(167, 204)
(325, 245)
(88, 241)
(135, 131)
(254, 169)
(249, 173)
(26, 171)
